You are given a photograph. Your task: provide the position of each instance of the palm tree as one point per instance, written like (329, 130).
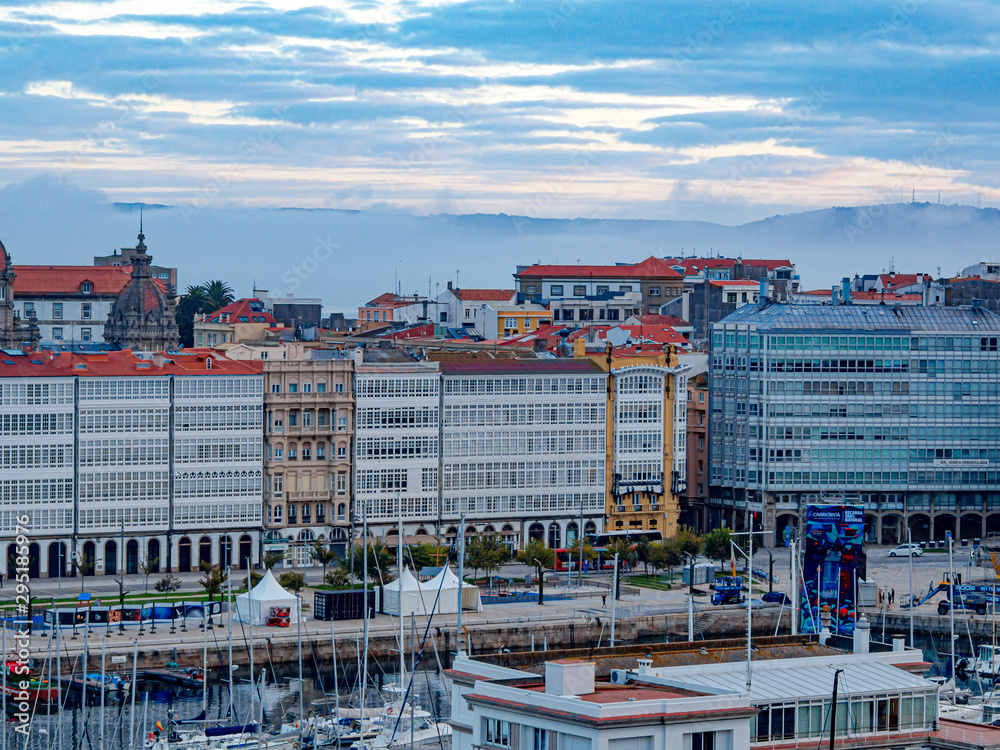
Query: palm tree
(219, 294)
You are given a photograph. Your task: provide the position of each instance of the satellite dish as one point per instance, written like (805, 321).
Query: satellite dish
(617, 337)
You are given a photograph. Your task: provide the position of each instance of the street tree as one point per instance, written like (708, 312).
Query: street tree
(214, 579)
(537, 554)
(717, 544)
(323, 555)
(380, 559)
(292, 581)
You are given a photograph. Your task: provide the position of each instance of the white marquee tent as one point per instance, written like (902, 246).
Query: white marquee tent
(254, 607)
(407, 596)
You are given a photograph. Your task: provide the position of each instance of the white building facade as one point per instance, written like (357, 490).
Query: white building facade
(167, 469)
(516, 448)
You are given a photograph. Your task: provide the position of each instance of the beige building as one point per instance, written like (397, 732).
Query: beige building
(308, 432)
(244, 320)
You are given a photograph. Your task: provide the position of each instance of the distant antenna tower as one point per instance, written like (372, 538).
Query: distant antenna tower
(939, 196)
(913, 195)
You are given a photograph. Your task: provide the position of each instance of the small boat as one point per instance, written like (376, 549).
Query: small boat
(400, 732)
(38, 689)
(111, 683)
(189, 677)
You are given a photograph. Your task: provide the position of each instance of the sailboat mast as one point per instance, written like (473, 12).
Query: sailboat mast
(298, 631)
(204, 665)
(229, 606)
(364, 578)
(336, 686)
(399, 566)
(253, 679)
(104, 688)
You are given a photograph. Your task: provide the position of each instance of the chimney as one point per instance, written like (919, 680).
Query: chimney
(645, 665)
(976, 302)
(764, 292)
(359, 356)
(569, 677)
(449, 285)
(898, 644)
(862, 636)
(845, 290)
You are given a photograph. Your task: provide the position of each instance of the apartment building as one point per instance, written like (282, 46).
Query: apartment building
(120, 460)
(594, 293)
(695, 498)
(894, 408)
(517, 447)
(309, 430)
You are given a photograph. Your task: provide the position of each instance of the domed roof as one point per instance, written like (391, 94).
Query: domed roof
(4, 259)
(141, 295)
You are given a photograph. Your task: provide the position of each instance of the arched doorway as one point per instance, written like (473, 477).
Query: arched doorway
(789, 521)
(184, 555)
(871, 526)
(303, 549)
(132, 557)
(204, 551)
(920, 527)
(34, 552)
(892, 529)
(111, 558)
(225, 552)
(536, 531)
(555, 537)
(246, 552)
(943, 523)
(470, 531)
(153, 555)
(89, 557)
(589, 528)
(57, 560)
(992, 524)
(11, 560)
(572, 532)
(970, 526)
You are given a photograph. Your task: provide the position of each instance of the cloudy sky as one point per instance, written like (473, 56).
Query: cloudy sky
(726, 110)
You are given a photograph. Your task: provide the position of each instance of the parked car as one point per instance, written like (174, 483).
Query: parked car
(906, 550)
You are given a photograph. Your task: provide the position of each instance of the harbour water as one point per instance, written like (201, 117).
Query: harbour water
(93, 729)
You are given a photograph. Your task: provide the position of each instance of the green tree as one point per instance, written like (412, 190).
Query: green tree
(272, 558)
(419, 556)
(670, 555)
(323, 555)
(219, 294)
(642, 549)
(214, 579)
(380, 559)
(589, 553)
(486, 552)
(148, 566)
(338, 578)
(537, 554)
(689, 542)
(82, 567)
(293, 581)
(717, 544)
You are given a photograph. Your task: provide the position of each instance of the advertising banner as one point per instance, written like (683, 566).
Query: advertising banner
(834, 561)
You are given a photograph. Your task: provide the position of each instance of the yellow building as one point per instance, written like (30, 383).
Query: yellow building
(646, 439)
(242, 321)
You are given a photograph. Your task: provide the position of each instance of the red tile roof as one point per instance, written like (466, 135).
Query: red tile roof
(242, 308)
(121, 364)
(748, 283)
(485, 295)
(388, 299)
(651, 268)
(36, 281)
(896, 280)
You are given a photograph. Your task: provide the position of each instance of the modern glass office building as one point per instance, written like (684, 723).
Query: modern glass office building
(892, 407)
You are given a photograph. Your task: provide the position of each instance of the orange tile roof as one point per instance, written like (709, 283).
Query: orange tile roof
(33, 281)
(242, 308)
(694, 265)
(121, 364)
(651, 268)
(485, 295)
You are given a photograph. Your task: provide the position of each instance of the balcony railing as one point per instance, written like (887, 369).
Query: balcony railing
(307, 495)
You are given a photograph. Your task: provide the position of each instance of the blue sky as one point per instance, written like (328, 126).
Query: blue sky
(725, 110)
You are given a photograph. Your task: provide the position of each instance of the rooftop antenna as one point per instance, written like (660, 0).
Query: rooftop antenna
(913, 195)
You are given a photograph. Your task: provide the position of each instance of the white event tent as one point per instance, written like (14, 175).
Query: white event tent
(407, 596)
(254, 607)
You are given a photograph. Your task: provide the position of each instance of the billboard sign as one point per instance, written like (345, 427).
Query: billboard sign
(834, 562)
